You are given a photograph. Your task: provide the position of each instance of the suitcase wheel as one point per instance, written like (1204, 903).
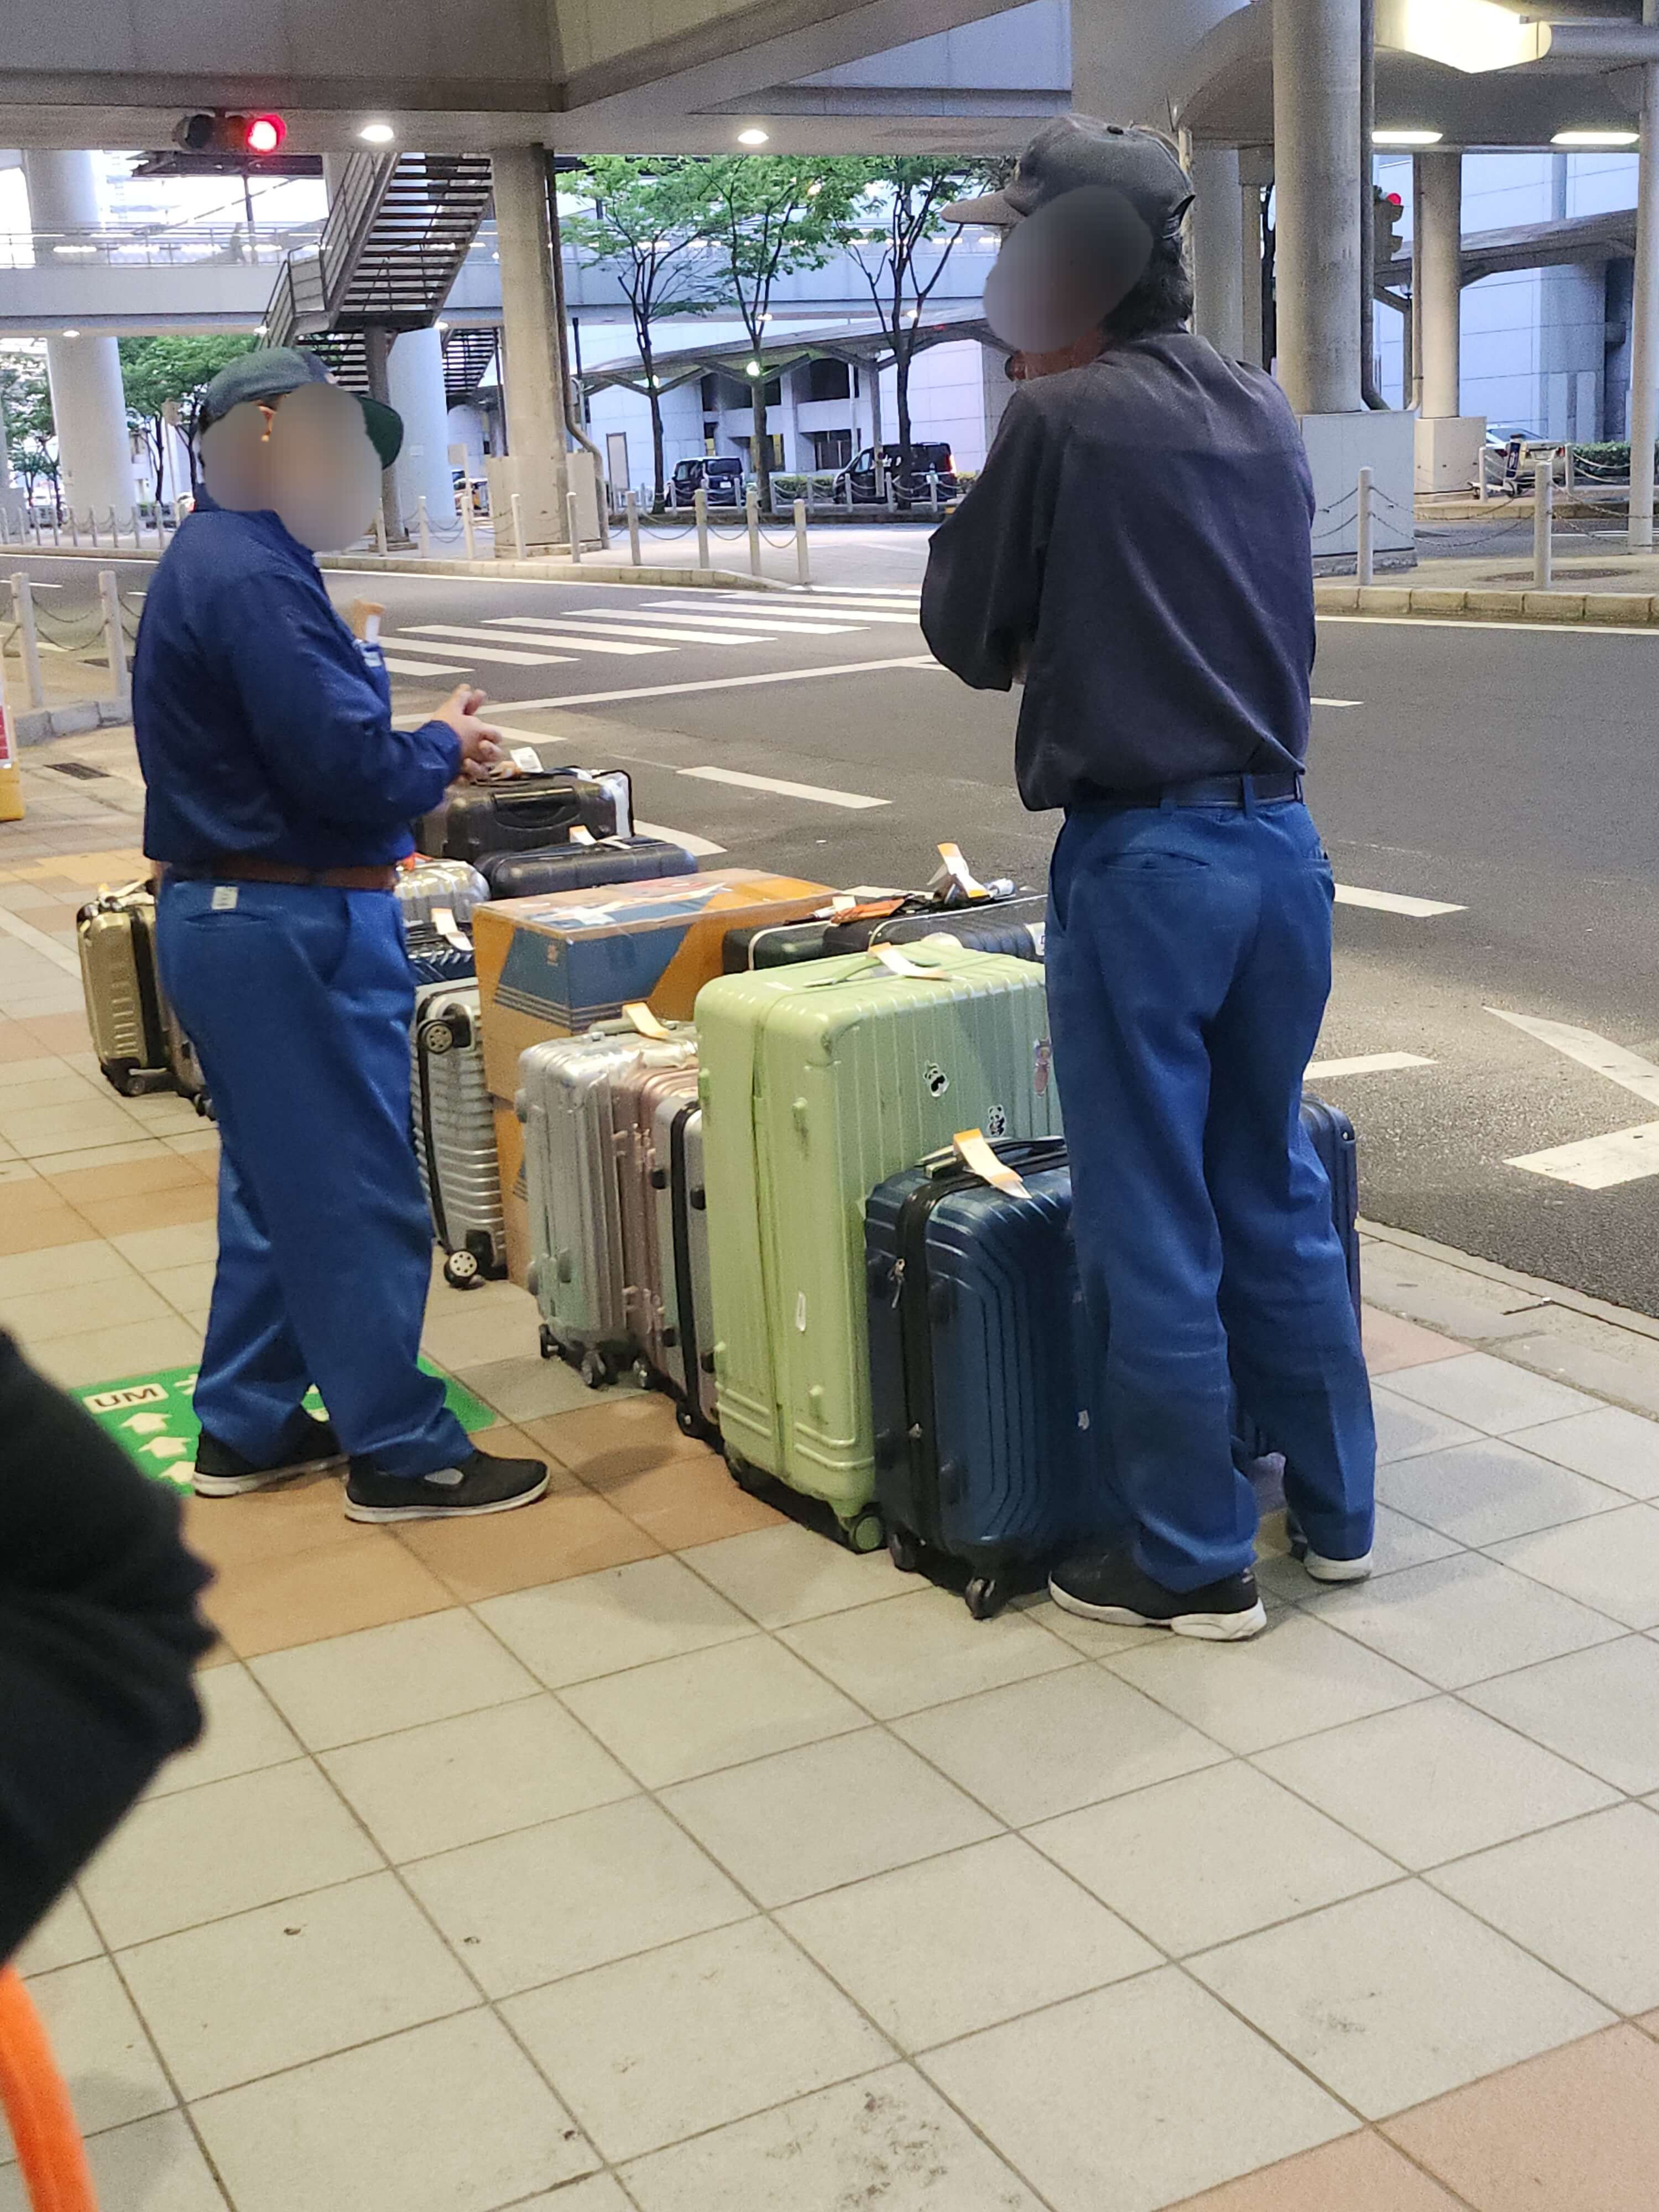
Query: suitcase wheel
(550, 1343)
(596, 1368)
(436, 1036)
(642, 1375)
(864, 1531)
(987, 1595)
(904, 1550)
(747, 1478)
(461, 1271)
(688, 1424)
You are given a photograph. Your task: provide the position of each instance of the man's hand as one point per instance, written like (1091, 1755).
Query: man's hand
(481, 742)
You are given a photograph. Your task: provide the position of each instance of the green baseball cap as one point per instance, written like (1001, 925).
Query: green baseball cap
(271, 373)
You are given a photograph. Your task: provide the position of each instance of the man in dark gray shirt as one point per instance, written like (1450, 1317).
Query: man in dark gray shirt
(1137, 551)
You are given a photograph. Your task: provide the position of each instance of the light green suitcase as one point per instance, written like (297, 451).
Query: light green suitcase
(817, 1083)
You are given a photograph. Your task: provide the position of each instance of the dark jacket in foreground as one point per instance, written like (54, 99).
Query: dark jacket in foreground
(99, 1632)
(1142, 528)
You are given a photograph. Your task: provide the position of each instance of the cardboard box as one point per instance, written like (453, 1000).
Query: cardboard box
(515, 1197)
(554, 966)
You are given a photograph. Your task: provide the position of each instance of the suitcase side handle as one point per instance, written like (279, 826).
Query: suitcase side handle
(973, 1149)
(1027, 1155)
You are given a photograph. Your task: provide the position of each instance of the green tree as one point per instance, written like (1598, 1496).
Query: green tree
(161, 372)
(647, 222)
(770, 214)
(31, 435)
(903, 202)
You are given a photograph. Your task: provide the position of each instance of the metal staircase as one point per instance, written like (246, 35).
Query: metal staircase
(399, 227)
(469, 349)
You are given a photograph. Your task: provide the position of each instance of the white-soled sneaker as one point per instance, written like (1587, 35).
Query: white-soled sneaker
(1337, 1570)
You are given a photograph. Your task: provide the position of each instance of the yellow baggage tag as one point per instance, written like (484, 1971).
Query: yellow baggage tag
(581, 835)
(900, 964)
(972, 1148)
(956, 868)
(645, 1022)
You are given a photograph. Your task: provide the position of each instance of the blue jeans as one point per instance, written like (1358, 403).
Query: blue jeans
(298, 1000)
(1189, 960)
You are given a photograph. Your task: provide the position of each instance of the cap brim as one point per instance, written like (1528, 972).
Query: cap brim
(385, 427)
(994, 210)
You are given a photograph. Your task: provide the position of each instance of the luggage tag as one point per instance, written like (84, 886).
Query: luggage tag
(525, 759)
(647, 1023)
(581, 835)
(974, 1151)
(955, 881)
(900, 964)
(444, 922)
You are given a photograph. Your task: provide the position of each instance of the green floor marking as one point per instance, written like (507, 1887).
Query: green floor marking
(153, 1418)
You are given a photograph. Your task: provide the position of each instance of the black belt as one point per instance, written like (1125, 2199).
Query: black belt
(1209, 790)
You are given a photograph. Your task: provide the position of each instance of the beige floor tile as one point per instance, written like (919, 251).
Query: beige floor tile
(831, 1812)
(1299, 1677)
(1163, 1857)
(68, 1266)
(41, 1224)
(335, 1590)
(1482, 1493)
(102, 2051)
(1095, 1639)
(450, 2117)
(189, 1288)
(243, 1732)
(409, 1672)
(190, 1243)
(86, 1178)
(1403, 1428)
(265, 1524)
(1434, 1781)
(21, 1070)
(710, 1709)
(1599, 1708)
(600, 2192)
(272, 1988)
(64, 1938)
(150, 2166)
(56, 1085)
(1488, 1393)
(458, 1335)
(619, 1433)
(572, 1894)
(455, 1782)
(686, 1502)
(1609, 1445)
(1392, 1342)
(62, 1033)
(787, 1574)
(937, 1950)
(227, 1847)
(1397, 1996)
(33, 1132)
(888, 2140)
(920, 1648)
(568, 1534)
(1398, 1542)
(526, 1389)
(109, 1355)
(1047, 1746)
(1360, 2173)
(627, 1616)
(1462, 1619)
(1581, 1897)
(657, 2048)
(1126, 2099)
(39, 1316)
(1611, 1563)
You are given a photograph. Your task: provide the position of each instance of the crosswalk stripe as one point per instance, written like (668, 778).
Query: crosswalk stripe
(1599, 1163)
(812, 791)
(399, 667)
(701, 849)
(417, 630)
(1629, 1070)
(1368, 1063)
(494, 650)
(752, 613)
(752, 618)
(1419, 909)
(633, 627)
(562, 699)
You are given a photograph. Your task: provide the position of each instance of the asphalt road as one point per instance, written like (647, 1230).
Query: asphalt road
(1507, 774)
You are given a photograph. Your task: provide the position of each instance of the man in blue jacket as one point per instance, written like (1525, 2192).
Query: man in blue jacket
(280, 797)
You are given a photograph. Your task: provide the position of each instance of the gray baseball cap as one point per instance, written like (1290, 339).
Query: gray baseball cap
(1075, 152)
(271, 373)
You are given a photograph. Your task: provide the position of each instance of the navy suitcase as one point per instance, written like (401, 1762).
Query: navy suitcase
(780, 944)
(519, 814)
(434, 958)
(1013, 925)
(985, 1452)
(581, 866)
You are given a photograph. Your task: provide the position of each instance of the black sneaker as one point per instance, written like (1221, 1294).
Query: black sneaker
(1110, 1586)
(481, 1484)
(308, 1446)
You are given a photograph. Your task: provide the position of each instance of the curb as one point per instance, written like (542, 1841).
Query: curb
(411, 564)
(1627, 609)
(74, 720)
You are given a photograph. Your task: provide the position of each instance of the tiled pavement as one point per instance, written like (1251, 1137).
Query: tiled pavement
(643, 1850)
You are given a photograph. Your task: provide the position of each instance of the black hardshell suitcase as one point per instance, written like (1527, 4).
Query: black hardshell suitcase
(780, 944)
(985, 1450)
(580, 865)
(1014, 925)
(522, 814)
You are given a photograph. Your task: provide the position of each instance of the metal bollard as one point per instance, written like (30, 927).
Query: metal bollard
(57, 528)
(379, 531)
(700, 508)
(22, 600)
(115, 642)
(1543, 521)
(933, 492)
(517, 525)
(573, 525)
(1569, 474)
(631, 507)
(751, 516)
(803, 551)
(1364, 564)
(422, 528)
(468, 540)
(136, 526)
(160, 530)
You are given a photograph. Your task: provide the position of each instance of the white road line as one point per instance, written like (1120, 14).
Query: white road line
(1599, 1054)
(816, 791)
(403, 643)
(415, 631)
(853, 616)
(1599, 1163)
(1369, 1063)
(1420, 909)
(1338, 702)
(627, 626)
(720, 684)
(1469, 621)
(702, 848)
(400, 667)
(790, 625)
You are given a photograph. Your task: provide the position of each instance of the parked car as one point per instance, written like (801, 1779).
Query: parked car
(720, 476)
(861, 484)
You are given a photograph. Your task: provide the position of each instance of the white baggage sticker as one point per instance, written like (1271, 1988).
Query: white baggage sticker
(975, 1154)
(444, 922)
(224, 898)
(525, 758)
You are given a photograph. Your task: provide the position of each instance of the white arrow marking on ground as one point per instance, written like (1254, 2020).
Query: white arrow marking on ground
(1419, 909)
(146, 1425)
(1369, 1063)
(167, 1448)
(1595, 1162)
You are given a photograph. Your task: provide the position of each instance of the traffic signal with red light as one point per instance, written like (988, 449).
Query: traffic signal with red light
(244, 136)
(1389, 222)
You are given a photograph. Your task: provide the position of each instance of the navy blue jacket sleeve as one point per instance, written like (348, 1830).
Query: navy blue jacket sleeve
(984, 580)
(322, 728)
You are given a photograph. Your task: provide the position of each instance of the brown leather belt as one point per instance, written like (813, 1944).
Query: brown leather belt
(247, 869)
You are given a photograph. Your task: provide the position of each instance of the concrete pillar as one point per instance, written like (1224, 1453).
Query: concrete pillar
(1316, 163)
(1438, 262)
(1217, 250)
(532, 383)
(414, 383)
(1645, 315)
(89, 406)
(1251, 275)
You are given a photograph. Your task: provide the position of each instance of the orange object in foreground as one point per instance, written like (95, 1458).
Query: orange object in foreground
(50, 2152)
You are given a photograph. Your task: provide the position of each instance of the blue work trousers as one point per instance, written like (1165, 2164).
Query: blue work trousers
(298, 999)
(1189, 960)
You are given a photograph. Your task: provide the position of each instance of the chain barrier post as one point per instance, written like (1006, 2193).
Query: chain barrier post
(1543, 521)
(700, 508)
(517, 525)
(803, 551)
(1365, 566)
(573, 524)
(751, 516)
(135, 527)
(468, 540)
(631, 507)
(379, 531)
(933, 492)
(115, 642)
(11, 783)
(1569, 475)
(422, 528)
(22, 600)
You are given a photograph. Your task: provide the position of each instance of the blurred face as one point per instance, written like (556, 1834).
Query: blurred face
(1061, 273)
(308, 458)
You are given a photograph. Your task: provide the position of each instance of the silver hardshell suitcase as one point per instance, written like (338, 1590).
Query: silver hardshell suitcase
(454, 1132)
(576, 1103)
(430, 884)
(135, 1032)
(687, 1291)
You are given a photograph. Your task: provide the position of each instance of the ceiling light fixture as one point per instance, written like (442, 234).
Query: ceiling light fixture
(1406, 137)
(1472, 35)
(74, 250)
(753, 367)
(377, 134)
(71, 334)
(1585, 138)
(753, 137)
